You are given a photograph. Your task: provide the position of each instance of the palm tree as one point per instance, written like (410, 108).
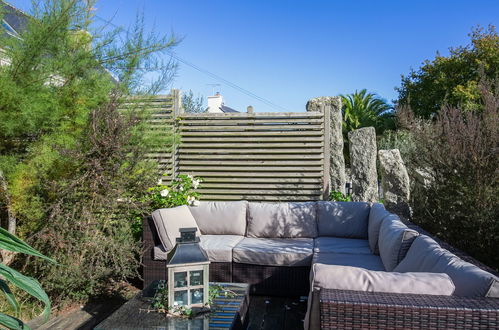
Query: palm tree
(363, 109)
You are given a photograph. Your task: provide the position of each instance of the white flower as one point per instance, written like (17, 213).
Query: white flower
(190, 176)
(164, 192)
(195, 183)
(195, 203)
(160, 181)
(191, 199)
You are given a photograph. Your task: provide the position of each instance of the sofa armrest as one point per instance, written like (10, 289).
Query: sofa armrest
(358, 309)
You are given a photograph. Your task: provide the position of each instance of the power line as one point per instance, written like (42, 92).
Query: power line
(208, 73)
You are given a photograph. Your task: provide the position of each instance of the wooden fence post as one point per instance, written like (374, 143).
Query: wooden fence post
(326, 181)
(178, 109)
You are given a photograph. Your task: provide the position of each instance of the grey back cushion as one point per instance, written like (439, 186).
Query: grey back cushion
(343, 219)
(282, 220)
(426, 255)
(169, 221)
(354, 278)
(395, 239)
(221, 218)
(376, 216)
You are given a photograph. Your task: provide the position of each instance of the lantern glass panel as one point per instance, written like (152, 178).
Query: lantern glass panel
(180, 298)
(196, 277)
(180, 279)
(197, 296)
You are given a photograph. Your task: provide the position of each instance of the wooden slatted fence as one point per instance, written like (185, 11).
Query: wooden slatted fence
(257, 156)
(161, 111)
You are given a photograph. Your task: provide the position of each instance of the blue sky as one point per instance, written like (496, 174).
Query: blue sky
(290, 51)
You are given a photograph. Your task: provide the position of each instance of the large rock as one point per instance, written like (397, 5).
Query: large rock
(337, 161)
(362, 144)
(395, 182)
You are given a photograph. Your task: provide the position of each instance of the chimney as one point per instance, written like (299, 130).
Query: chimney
(249, 109)
(215, 103)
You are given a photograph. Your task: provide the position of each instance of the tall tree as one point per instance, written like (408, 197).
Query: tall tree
(69, 158)
(453, 80)
(363, 109)
(192, 103)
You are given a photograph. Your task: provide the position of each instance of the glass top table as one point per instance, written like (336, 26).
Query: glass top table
(226, 312)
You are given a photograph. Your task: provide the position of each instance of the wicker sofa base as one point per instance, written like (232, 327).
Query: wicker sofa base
(264, 280)
(341, 309)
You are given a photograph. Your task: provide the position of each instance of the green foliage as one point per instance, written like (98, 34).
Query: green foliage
(455, 192)
(337, 196)
(192, 104)
(159, 302)
(181, 191)
(10, 276)
(73, 161)
(363, 109)
(402, 140)
(453, 80)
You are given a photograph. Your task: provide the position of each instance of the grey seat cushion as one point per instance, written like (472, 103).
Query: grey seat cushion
(395, 238)
(282, 220)
(221, 218)
(426, 255)
(341, 245)
(274, 251)
(169, 221)
(365, 261)
(376, 216)
(359, 279)
(218, 248)
(343, 219)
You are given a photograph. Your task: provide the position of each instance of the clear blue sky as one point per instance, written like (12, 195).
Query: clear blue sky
(290, 51)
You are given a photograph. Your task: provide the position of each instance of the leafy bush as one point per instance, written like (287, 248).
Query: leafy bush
(181, 191)
(402, 140)
(458, 199)
(337, 196)
(72, 162)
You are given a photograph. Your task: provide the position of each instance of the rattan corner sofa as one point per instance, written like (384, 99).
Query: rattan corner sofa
(360, 265)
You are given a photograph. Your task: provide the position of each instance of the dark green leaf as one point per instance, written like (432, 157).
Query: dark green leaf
(9, 296)
(12, 243)
(28, 284)
(12, 323)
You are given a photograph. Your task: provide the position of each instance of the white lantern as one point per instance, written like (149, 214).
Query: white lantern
(188, 272)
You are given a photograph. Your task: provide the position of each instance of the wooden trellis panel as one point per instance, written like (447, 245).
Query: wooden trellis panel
(259, 156)
(160, 111)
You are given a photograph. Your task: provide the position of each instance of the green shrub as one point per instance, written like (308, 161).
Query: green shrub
(181, 191)
(73, 162)
(458, 200)
(402, 140)
(337, 196)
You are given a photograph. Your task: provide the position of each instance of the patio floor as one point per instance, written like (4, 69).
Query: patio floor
(276, 313)
(266, 313)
